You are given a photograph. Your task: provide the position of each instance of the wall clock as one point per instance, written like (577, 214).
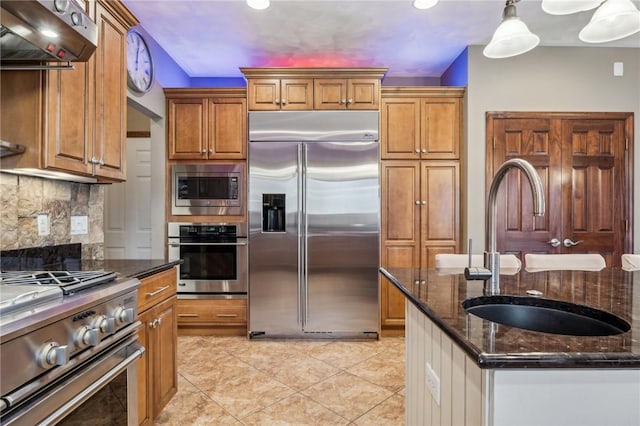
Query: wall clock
(139, 63)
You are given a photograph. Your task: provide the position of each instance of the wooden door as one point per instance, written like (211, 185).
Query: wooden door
(400, 128)
(363, 93)
(329, 93)
(165, 371)
(111, 96)
(440, 207)
(400, 232)
(296, 94)
(263, 94)
(583, 161)
(187, 130)
(594, 193)
(440, 123)
(227, 128)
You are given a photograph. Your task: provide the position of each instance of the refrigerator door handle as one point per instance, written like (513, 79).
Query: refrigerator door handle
(299, 234)
(305, 229)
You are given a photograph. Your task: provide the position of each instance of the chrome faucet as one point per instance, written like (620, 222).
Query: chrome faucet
(491, 255)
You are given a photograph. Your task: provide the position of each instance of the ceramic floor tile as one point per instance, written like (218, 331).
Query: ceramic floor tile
(294, 410)
(193, 409)
(263, 354)
(300, 372)
(212, 371)
(246, 393)
(346, 354)
(381, 370)
(390, 412)
(347, 395)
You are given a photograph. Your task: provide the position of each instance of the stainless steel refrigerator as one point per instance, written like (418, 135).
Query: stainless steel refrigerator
(314, 224)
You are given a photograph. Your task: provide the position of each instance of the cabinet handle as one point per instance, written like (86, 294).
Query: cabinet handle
(424, 150)
(204, 151)
(158, 291)
(101, 162)
(350, 101)
(417, 202)
(284, 101)
(416, 282)
(210, 151)
(227, 315)
(188, 315)
(343, 101)
(277, 101)
(417, 151)
(154, 323)
(424, 203)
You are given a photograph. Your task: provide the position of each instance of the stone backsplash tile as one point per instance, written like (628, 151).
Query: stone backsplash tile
(24, 198)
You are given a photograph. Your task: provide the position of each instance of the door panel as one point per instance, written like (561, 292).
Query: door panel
(342, 209)
(582, 160)
(273, 266)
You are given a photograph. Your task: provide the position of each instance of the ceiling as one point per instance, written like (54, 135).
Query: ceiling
(212, 38)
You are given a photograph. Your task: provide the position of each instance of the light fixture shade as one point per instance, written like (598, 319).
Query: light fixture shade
(614, 20)
(258, 4)
(424, 4)
(566, 7)
(511, 38)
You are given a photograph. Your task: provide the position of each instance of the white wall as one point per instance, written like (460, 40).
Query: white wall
(545, 79)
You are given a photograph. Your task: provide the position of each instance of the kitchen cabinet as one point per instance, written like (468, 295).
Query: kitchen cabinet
(420, 124)
(74, 120)
(420, 209)
(334, 94)
(157, 369)
(272, 94)
(207, 124)
(212, 317)
(272, 89)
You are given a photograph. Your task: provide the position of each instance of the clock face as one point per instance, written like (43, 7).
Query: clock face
(139, 63)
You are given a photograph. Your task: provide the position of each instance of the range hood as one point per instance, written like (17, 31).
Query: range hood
(38, 31)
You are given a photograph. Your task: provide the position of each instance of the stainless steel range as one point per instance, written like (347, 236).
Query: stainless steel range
(68, 340)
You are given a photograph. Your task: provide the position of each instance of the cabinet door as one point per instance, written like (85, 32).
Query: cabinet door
(187, 130)
(227, 128)
(165, 366)
(440, 210)
(263, 94)
(440, 128)
(296, 94)
(363, 93)
(400, 128)
(70, 111)
(400, 232)
(329, 93)
(145, 416)
(111, 96)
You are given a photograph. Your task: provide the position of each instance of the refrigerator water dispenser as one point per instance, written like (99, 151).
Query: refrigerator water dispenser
(273, 212)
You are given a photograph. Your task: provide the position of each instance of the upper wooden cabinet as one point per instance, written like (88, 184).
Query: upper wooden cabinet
(206, 124)
(421, 123)
(74, 120)
(271, 89)
(271, 94)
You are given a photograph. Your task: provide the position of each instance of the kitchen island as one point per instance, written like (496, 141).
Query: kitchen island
(464, 370)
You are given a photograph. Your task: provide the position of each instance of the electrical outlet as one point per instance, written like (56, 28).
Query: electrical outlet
(79, 225)
(44, 227)
(433, 383)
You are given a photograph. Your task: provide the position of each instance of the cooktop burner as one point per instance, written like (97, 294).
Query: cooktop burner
(68, 282)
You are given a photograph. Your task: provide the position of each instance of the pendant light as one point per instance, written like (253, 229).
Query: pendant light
(567, 7)
(424, 4)
(512, 37)
(613, 20)
(258, 4)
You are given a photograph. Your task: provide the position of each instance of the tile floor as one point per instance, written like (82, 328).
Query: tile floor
(234, 381)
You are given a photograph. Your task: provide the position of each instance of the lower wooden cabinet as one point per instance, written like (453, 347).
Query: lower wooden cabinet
(158, 368)
(212, 317)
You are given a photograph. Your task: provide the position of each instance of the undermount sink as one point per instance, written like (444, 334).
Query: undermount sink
(545, 315)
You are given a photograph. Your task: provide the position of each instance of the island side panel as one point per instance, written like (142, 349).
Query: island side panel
(586, 397)
(460, 379)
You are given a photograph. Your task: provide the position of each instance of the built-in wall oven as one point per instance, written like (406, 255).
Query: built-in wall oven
(214, 258)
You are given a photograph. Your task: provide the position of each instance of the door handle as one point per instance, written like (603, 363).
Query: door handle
(554, 242)
(568, 243)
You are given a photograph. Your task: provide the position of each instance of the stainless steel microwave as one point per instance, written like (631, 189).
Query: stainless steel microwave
(208, 189)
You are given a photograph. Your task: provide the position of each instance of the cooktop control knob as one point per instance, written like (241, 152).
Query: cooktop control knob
(123, 316)
(86, 336)
(52, 354)
(105, 324)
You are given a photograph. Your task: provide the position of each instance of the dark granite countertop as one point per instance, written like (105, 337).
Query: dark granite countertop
(439, 297)
(135, 268)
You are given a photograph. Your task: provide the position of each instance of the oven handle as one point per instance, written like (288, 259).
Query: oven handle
(207, 244)
(70, 405)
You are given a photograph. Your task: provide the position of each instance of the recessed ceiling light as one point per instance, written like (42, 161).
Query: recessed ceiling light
(258, 4)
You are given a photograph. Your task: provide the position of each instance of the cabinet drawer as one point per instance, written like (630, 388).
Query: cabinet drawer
(211, 311)
(156, 288)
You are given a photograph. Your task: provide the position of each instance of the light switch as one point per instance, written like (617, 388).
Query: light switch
(618, 69)
(44, 227)
(79, 225)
